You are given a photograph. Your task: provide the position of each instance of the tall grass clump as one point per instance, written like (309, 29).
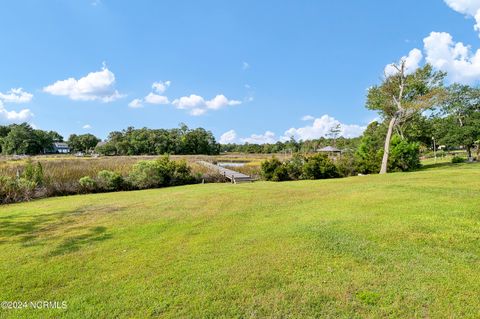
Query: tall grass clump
(22, 180)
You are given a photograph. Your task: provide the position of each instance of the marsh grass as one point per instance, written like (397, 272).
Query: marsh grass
(63, 172)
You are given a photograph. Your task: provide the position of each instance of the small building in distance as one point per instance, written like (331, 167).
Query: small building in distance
(60, 148)
(330, 150)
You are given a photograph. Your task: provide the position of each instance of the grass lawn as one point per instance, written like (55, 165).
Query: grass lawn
(404, 245)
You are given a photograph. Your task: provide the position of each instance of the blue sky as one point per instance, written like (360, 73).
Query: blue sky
(255, 70)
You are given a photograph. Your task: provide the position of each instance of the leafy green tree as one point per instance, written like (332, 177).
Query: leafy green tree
(369, 153)
(82, 143)
(21, 139)
(459, 122)
(180, 140)
(402, 95)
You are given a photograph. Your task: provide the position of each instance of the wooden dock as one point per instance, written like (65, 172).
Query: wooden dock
(233, 176)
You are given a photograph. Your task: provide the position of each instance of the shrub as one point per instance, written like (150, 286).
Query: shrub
(8, 189)
(159, 173)
(295, 166)
(274, 170)
(87, 184)
(183, 174)
(281, 173)
(109, 181)
(368, 156)
(404, 155)
(457, 159)
(33, 173)
(268, 168)
(346, 165)
(319, 166)
(26, 188)
(15, 190)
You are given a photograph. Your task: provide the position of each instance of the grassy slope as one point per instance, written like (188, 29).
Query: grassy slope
(402, 245)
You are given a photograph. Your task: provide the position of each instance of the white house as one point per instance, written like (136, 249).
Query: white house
(60, 147)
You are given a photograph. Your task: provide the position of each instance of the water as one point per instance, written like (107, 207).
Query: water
(230, 164)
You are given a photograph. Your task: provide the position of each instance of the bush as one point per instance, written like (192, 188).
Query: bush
(183, 174)
(457, 159)
(404, 155)
(33, 173)
(268, 168)
(295, 166)
(159, 173)
(299, 167)
(281, 173)
(274, 170)
(109, 181)
(15, 190)
(87, 184)
(346, 165)
(319, 166)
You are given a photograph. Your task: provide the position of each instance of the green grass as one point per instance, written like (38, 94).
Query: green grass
(404, 245)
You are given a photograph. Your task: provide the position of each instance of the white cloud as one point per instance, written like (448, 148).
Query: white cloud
(136, 103)
(13, 116)
(220, 101)
(245, 65)
(197, 111)
(470, 8)
(94, 86)
(321, 127)
(461, 64)
(460, 61)
(412, 62)
(161, 87)
(16, 96)
(267, 137)
(188, 102)
(228, 137)
(197, 105)
(87, 127)
(308, 118)
(153, 98)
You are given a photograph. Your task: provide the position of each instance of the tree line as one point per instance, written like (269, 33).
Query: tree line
(23, 139)
(292, 146)
(145, 141)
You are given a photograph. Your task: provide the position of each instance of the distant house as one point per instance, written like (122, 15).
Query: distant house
(330, 150)
(60, 147)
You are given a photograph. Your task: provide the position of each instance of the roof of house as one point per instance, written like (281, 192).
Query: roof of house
(60, 145)
(330, 149)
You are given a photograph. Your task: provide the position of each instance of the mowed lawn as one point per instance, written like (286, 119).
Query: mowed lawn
(404, 245)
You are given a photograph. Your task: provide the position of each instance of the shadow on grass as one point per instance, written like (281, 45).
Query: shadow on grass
(24, 229)
(72, 244)
(448, 164)
(438, 165)
(49, 229)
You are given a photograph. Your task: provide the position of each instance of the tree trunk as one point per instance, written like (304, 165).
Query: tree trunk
(386, 150)
(469, 152)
